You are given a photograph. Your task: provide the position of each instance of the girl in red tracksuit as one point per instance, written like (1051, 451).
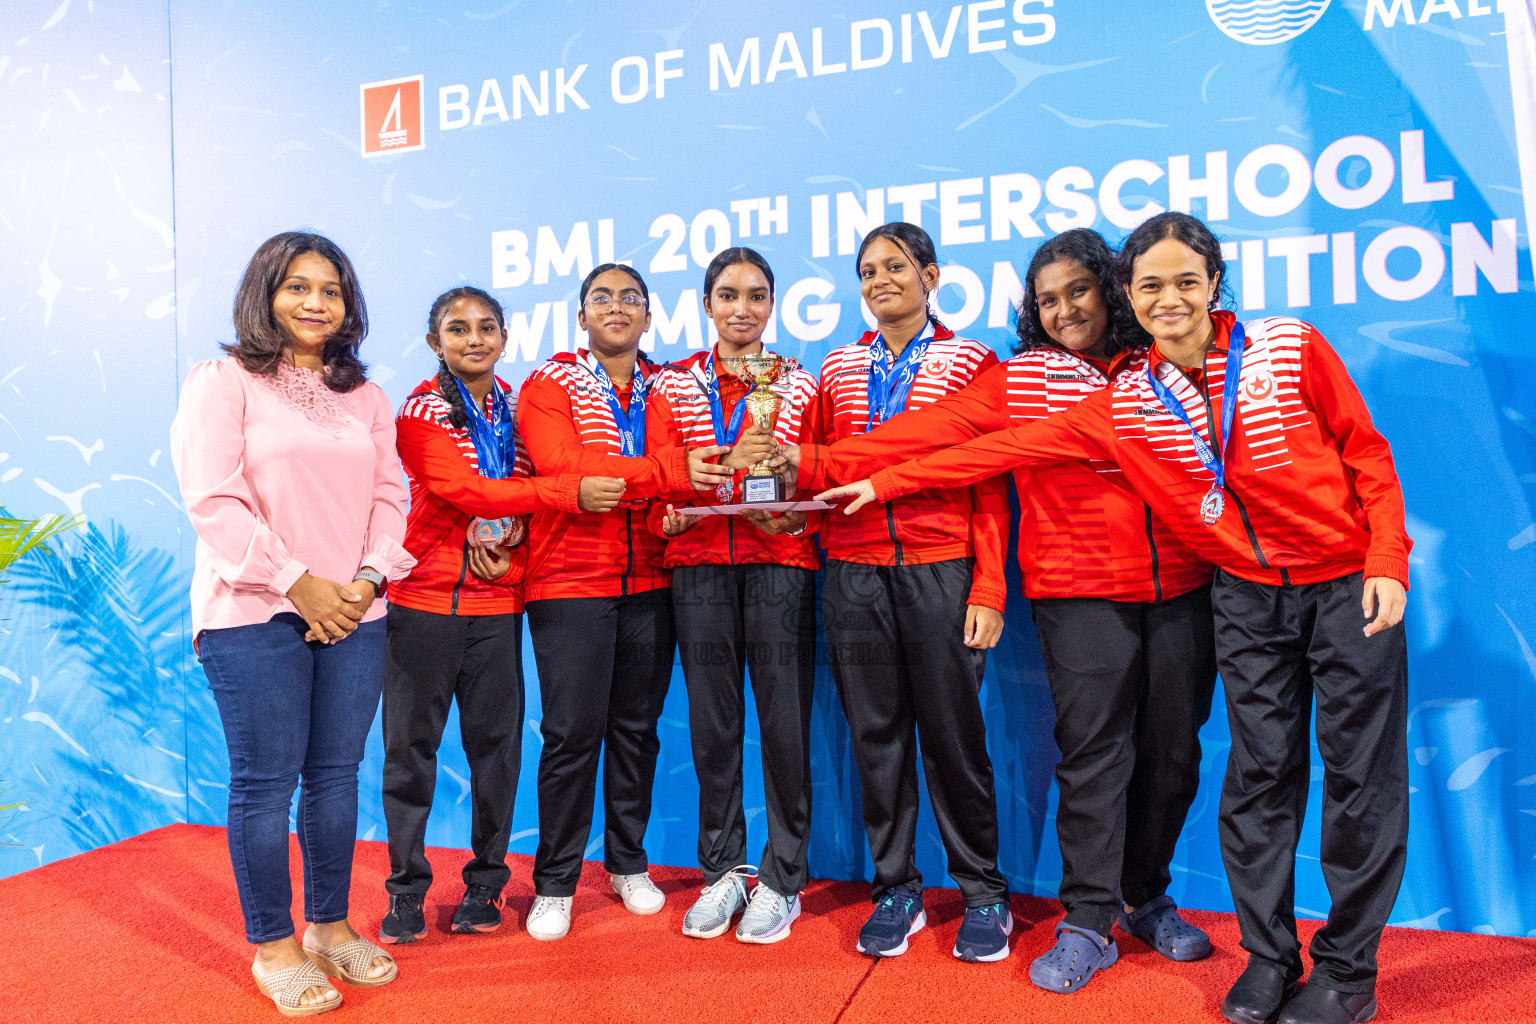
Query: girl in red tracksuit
(912, 600)
(455, 623)
(1122, 606)
(599, 609)
(743, 595)
(1252, 443)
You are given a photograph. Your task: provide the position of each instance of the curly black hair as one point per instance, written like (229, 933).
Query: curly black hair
(1087, 247)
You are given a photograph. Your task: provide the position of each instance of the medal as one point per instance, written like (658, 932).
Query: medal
(488, 533)
(493, 436)
(630, 425)
(1215, 500)
(1212, 507)
(725, 433)
(889, 386)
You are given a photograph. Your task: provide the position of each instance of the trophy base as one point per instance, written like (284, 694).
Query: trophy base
(762, 490)
(777, 506)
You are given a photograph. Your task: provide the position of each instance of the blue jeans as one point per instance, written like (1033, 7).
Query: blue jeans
(291, 707)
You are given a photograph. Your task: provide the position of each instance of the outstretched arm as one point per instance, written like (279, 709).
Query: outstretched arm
(548, 431)
(434, 461)
(1084, 431)
(976, 409)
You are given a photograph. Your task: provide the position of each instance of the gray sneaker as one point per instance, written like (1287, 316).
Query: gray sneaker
(768, 916)
(710, 916)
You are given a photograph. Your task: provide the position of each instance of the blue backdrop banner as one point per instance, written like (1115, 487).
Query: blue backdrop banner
(1371, 167)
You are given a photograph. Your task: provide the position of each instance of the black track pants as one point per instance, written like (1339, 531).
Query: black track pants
(604, 667)
(759, 617)
(1279, 649)
(1132, 683)
(895, 637)
(433, 661)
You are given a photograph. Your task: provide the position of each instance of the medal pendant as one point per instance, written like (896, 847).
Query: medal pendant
(723, 492)
(1211, 507)
(488, 533)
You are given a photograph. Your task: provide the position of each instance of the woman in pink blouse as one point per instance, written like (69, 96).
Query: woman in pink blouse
(286, 457)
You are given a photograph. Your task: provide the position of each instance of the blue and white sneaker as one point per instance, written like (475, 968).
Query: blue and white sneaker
(897, 917)
(983, 937)
(768, 917)
(710, 916)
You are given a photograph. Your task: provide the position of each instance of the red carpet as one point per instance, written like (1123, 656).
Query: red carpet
(149, 930)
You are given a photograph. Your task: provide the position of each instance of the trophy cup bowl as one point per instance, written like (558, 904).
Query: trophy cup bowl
(761, 485)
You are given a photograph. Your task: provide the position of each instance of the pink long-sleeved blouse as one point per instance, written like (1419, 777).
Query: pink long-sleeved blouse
(283, 476)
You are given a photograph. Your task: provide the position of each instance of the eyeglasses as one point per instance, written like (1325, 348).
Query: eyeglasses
(603, 303)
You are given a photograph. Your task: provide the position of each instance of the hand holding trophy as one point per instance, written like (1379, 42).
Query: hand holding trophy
(762, 485)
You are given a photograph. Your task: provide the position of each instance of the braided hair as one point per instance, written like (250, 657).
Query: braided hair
(913, 241)
(446, 381)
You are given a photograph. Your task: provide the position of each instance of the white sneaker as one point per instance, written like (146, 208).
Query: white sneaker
(549, 918)
(638, 892)
(711, 914)
(768, 916)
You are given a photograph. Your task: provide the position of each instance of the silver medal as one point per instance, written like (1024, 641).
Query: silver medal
(1211, 507)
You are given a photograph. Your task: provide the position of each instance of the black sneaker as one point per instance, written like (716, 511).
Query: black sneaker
(479, 911)
(405, 921)
(897, 916)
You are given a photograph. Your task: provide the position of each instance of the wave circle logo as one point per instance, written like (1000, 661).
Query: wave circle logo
(1265, 22)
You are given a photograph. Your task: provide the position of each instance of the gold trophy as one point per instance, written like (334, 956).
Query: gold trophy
(762, 485)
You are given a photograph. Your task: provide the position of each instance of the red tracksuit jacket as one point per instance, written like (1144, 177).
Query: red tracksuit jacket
(1312, 491)
(447, 491)
(566, 426)
(1082, 531)
(680, 416)
(933, 525)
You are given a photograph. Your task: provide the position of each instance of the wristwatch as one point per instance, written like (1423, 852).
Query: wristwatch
(372, 576)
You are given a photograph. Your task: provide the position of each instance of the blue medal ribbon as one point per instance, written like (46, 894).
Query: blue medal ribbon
(495, 446)
(631, 424)
(1211, 506)
(889, 386)
(724, 435)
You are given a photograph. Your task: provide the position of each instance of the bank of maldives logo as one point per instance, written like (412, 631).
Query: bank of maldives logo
(1265, 22)
(392, 117)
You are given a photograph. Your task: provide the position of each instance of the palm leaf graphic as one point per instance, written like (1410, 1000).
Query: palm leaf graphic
(5, 819)
(118, 676)
(19, 536)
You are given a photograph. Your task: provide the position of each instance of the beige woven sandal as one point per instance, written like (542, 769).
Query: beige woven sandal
(352, 960)
(287, 987)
